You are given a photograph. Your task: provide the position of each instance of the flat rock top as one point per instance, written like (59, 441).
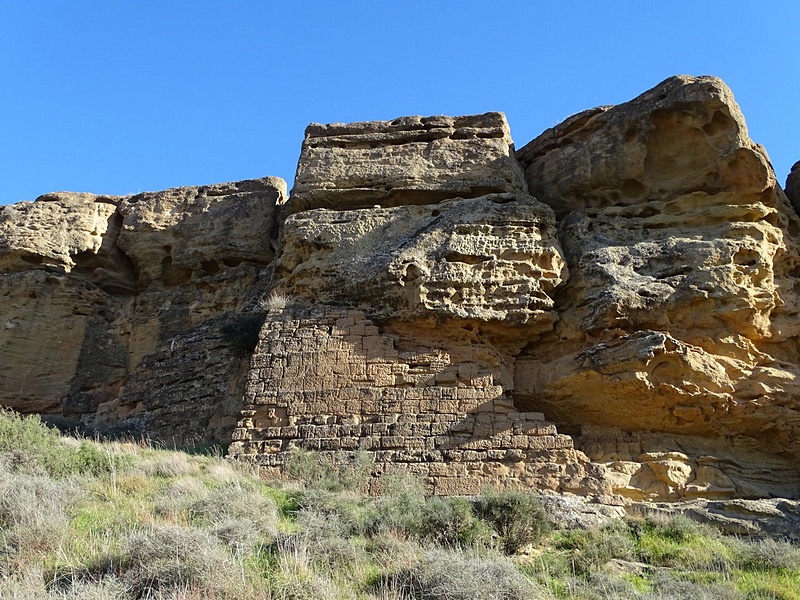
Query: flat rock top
(491, 124)
(410, 160)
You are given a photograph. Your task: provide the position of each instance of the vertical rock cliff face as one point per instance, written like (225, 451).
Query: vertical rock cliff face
(651, 314)
(677, 329)
(407, 306)
(610, 311)
(125, 312)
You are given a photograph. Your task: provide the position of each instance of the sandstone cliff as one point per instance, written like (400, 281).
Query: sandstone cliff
(610, 311)
(114, 310)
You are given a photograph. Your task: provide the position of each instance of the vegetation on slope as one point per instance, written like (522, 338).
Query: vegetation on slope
(87, 520)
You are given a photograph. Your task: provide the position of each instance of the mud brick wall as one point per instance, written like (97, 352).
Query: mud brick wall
(330, 381)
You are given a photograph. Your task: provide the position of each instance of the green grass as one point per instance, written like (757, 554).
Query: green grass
(86, 520)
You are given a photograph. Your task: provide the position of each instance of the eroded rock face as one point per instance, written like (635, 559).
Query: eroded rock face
(406, 308)
(612, 311)
(492, 258)
(793, 186)
(114, 310)
(411, 160)
(666, 343)
(681, 309)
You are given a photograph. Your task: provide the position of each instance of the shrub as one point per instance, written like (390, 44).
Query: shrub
(328, 542)
(590, 549)
(175, 500)
(400, 508)
(234, 500)
(240, 333)
(766, 555)
(169, 464)
(677, 541)
(330, 471)
(33, 517)
(167, 558)
(29, 446)
(275, 301)
(391, 553)
(455, 575)
(451, 522)
(518, 517)
(294, 576)
(668, 587)
(347, 512)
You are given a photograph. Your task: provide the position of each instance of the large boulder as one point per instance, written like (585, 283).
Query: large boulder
(411, 160)
(680, 314)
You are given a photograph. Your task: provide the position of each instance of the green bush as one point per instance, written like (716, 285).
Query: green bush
(28, 446)
(165, 558)
(347, 511)
(518, 517)
(33, 513)
(240, 333)
(400, 508)
(330, 471)
(590, 549)
(452, 522)
(678, 542)
(767, 555)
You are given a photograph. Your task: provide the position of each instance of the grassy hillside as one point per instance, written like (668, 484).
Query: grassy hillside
(91, 521)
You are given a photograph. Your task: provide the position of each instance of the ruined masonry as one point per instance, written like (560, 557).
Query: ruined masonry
(345, 387)
(610, 311)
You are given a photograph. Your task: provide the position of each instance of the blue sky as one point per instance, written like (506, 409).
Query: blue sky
(121, 97)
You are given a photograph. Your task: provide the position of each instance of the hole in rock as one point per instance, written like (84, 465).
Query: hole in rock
(632, 188)
(719, 123)
(173, 275)
(210, 266)
(465, 258)
(32, 259)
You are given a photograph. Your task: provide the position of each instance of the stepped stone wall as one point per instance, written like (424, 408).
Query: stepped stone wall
(329, 380)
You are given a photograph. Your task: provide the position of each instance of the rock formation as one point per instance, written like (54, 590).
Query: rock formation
(610, 311)
(114, 311)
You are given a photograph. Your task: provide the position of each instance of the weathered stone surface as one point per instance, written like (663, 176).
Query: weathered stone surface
(575, 512)
(331, 380)
(793, 186)
(176, 234)
(411, 160)
(686, 135)
(69, 233)
(680, 314)
(113, 307)
(54, 343)
(189, 390)
(440, 318)
(53, 231)
(492, 258)
(777, 518)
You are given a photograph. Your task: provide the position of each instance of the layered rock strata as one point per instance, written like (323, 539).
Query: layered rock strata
(328, 380)
(677, 330)
(114, 310)
(612, 311)
(404, 317)
(411, 160)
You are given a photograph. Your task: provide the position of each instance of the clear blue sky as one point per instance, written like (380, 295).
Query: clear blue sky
(120, 97)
